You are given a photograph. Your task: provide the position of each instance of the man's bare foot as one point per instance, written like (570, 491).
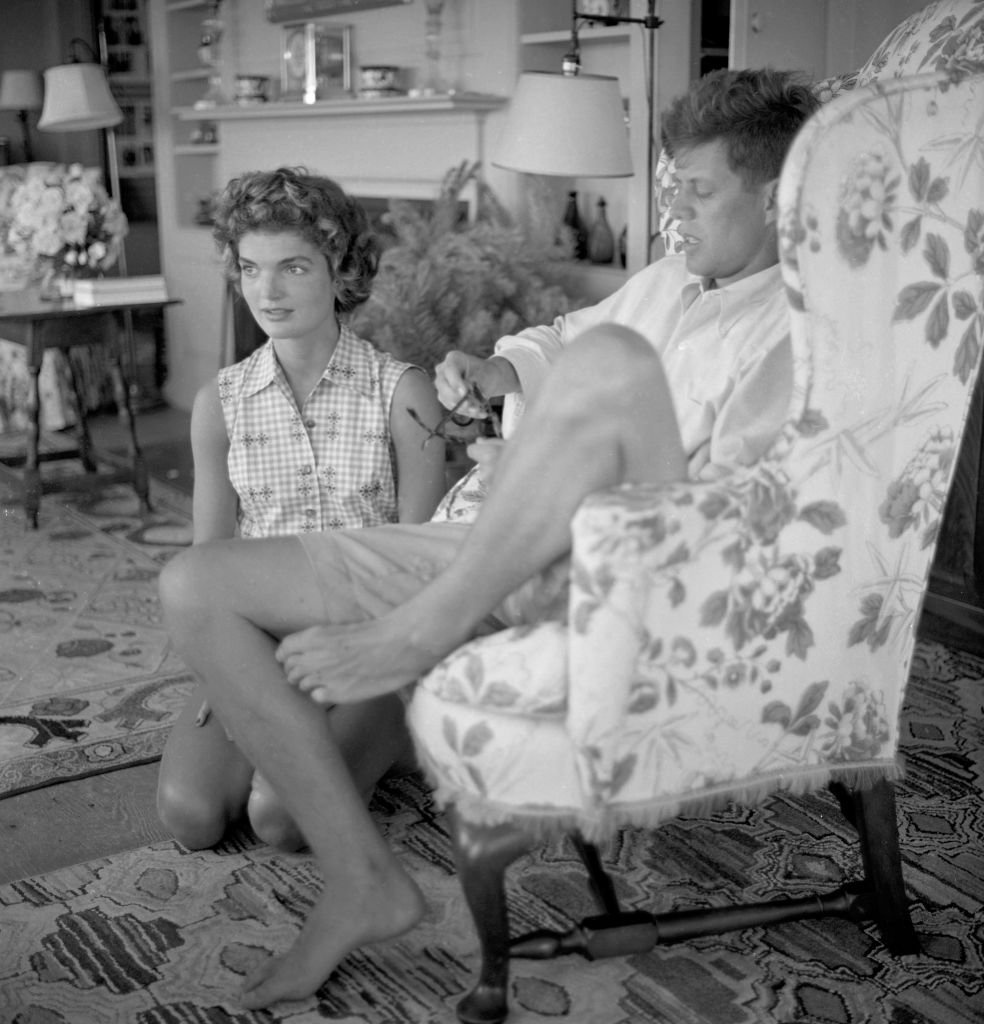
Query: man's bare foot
(338, 924)
(345, 664)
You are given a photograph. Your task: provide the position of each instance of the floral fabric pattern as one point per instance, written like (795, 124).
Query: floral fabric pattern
(724, 639)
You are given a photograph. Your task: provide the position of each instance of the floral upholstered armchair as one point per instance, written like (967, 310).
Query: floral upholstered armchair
(728, 639)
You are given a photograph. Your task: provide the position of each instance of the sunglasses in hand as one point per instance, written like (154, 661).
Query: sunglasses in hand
(453, 417)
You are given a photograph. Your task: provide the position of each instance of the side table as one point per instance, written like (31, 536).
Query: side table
(38, 324)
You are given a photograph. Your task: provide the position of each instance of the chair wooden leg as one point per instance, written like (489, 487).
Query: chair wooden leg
(872, 811)
(602, 888)
(482, 854)
(82, 422)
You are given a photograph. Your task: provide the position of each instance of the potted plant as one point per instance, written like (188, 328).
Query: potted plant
(447, 281)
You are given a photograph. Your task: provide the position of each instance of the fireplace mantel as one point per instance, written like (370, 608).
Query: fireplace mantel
(375, 149)
(401, 147)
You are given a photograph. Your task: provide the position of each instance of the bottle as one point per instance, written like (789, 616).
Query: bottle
(572, 219)
(601, 241)
(623, 246)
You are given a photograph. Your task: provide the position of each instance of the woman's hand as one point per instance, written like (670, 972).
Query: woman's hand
(486, 451)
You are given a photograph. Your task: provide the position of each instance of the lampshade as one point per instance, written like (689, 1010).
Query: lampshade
(76, 98)
(20, 90)
(570, 125)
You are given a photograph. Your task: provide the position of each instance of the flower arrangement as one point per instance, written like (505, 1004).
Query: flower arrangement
(64, 217)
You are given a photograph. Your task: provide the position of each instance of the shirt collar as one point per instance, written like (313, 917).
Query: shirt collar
(347, 367)
(735, 299)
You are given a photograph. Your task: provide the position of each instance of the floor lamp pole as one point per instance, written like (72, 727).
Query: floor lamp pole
(128, 333)
(650, 137)
(112, 160)
(651, 22)
(26, 133)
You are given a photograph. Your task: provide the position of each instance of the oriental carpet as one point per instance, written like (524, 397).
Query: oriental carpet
(88, 682)
(163, 936)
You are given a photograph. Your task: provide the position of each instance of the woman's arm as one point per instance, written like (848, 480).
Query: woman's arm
(420, 480)
(214, 503)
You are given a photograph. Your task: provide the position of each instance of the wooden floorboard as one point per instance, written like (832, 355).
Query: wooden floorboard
(76, 821)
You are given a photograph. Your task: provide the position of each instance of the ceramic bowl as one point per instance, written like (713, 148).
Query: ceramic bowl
(252, 88)
(380, 76)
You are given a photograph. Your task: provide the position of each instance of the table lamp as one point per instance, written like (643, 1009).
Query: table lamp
(572, 125)
(565, 125)
(21, 91)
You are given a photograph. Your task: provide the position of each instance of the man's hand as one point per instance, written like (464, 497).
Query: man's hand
(458, 370)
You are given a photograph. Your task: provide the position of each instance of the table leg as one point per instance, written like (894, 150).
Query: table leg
(32, 474)
(121, 390)
(82, 435)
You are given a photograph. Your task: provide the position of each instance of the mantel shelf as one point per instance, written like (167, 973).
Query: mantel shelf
(477, 103)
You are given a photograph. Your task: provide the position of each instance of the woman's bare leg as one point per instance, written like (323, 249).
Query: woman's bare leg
(372, 737)
(224, 603)
(604, 417)
(204, 780)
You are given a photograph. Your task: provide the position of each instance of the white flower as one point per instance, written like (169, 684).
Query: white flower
(66, 217)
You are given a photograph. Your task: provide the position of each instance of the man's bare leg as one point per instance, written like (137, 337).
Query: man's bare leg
(224, 602)
(603, 417)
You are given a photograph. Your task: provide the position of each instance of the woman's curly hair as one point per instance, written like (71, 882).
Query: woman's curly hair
(318, 209)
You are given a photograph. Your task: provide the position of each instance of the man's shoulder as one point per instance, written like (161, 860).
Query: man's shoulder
(669, 268)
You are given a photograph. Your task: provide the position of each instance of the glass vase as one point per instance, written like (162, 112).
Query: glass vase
(57, 284)
(435, 83)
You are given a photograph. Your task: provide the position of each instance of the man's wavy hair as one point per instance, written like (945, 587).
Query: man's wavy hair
(317, 208)
(755, 113)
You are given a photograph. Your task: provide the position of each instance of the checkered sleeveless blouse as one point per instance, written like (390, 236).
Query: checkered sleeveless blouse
(326, 466)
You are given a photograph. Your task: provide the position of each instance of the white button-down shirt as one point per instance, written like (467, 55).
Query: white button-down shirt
(726, 353)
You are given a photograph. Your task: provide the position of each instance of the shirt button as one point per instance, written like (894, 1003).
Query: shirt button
(309, 424)
(305, 470)
(310, 513)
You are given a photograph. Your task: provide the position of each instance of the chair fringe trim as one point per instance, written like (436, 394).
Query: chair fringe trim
(542, 823)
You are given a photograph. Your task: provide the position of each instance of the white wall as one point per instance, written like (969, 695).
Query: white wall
(479, 46)
(856, 27)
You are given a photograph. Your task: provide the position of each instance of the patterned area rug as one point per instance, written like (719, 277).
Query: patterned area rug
(88, 682)
(161, 935)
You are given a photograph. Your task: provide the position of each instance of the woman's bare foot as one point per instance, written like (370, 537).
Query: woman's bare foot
(345, 664)
(339, 923)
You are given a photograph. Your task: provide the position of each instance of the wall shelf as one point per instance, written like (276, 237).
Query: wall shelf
(197, 149)
(602, 34)
(191, 75)
(454, 103)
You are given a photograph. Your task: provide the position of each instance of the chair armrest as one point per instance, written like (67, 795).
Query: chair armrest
(695, 587)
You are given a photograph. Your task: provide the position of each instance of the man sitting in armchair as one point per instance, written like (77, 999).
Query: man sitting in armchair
(629, 398)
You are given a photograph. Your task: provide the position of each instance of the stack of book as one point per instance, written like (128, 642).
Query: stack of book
(95, 291)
